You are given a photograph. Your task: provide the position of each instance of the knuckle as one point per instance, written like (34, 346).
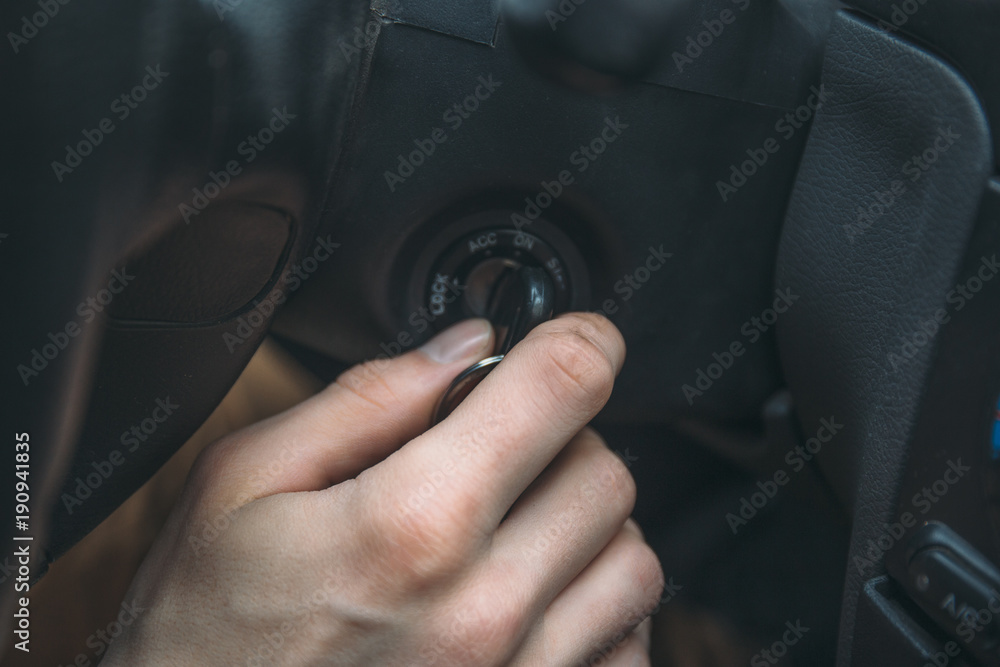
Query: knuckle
(488, 625)
(597, 326)
(646, 573)
(575, 367)
(212, 465)
(367, 382)
(497, 630)
(613, 479)
(420, 545)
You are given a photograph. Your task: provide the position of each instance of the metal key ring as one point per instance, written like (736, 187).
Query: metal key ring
(463, 385)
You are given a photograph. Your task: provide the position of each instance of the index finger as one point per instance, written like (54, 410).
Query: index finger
(483, 456)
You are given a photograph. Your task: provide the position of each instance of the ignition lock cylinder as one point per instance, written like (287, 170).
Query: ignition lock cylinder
(463, 280)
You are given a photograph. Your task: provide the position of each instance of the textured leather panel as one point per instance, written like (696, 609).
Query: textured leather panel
(475, 21)
(867, 287)
(964, 31)
(206, 271)
(657, 185)
(222, 71)
(769, 54)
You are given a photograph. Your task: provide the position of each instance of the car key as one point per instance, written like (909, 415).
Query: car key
(522, 299)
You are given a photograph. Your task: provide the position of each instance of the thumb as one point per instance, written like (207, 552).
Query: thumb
(370, 411)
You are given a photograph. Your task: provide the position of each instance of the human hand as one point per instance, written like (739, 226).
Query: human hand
(342, 532)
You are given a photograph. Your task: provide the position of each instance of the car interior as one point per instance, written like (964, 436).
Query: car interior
(787, 207)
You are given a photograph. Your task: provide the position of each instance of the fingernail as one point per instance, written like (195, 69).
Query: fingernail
(465, 340)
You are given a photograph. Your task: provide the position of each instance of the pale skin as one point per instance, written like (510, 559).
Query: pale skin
(347, 533)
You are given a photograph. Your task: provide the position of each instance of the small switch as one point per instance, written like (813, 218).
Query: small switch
(957, 587)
